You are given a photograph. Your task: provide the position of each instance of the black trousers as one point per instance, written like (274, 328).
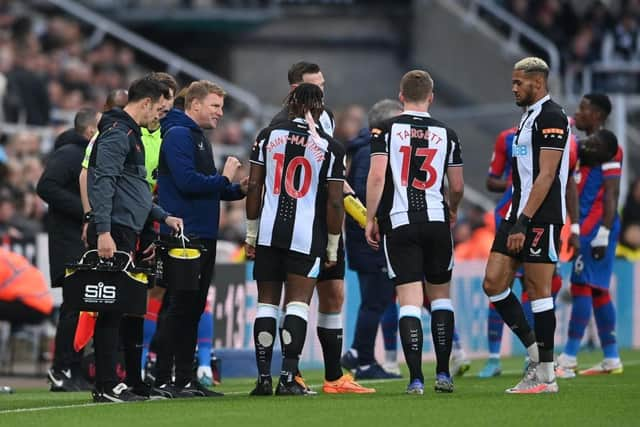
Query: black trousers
(65, 357)
(106, 337)
(184, 309)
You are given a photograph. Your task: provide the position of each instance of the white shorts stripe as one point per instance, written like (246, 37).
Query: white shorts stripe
(391, 273)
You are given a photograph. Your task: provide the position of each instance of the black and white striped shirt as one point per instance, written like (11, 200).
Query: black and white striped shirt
(544, 126)
(297, 167)
(420, 149)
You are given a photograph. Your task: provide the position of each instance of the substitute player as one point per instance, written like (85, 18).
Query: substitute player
(531, 233)
(599, 186)
(410, 156)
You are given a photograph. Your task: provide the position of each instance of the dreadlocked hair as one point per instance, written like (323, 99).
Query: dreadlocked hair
(305, 97)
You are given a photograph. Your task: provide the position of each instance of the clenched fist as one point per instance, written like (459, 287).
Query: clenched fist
(231, 167)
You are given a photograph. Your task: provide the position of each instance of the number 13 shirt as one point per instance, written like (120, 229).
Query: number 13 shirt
(297, 168)
(420, 149)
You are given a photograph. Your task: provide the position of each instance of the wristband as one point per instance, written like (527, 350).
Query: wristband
(575, 229)
(521, 225)
(87, 217)
(252, 232)
(332, 247)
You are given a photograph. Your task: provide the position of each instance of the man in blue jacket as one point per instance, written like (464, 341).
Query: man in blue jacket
(376, 289)
(190, 186)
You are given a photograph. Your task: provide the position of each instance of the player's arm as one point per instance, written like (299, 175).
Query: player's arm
(335, 217)
(610, 207)
(253, 205)
(573, 211)
(375, 183)
(335, 203)
(549, 161)
(497, 185)
(495, 182)
(255, 188)
(455, 179)
(553, 129)
(455, 176)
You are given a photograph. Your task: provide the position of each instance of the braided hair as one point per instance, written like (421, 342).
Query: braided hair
(305, 97)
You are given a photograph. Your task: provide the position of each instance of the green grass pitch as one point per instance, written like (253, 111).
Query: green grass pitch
(612, 400)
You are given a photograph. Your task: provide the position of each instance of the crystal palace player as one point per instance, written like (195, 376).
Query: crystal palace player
(301, 170)
(411, 154)
(599, 185)
(531, 233)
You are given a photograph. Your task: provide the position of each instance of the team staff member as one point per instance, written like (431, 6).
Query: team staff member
(122, 202)
(531, 233)
(190, 186)
(58, 186)
(410, 156)
(133, 326)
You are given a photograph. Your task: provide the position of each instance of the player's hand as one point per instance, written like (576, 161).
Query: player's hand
(244, 185)
(83, 235)
(453, 217)
(106, 246)
(231, 167)
(174, 223)
(574, 244)
(599, 243)
(250, 251)
(372, 234)
(517, 234)
(149, 253)
(515, 242)
(329, 264)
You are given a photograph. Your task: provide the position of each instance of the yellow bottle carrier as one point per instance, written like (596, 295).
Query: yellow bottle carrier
(180, 263)
(114, 285)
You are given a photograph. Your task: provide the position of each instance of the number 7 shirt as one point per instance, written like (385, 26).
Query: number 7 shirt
(297, 168)
(420, 149)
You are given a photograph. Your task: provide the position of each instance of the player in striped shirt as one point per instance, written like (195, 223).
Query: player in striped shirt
(292, 228)
(410, 156)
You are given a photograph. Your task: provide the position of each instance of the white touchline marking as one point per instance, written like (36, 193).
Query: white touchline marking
(232, 393)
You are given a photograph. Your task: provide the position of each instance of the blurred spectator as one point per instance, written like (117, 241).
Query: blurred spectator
(622, 43)
(26, 99)
(349, 121)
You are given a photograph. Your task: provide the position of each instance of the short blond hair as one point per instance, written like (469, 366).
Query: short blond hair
(532, 64)
(199, 90)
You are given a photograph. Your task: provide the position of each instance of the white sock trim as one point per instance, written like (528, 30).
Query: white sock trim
(297, 308)
(501, 296)
(542, 304)
(441, 304)
(410, 311)
(267, 310)
(330, 320)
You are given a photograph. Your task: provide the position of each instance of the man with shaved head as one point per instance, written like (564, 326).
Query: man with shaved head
(530, 235)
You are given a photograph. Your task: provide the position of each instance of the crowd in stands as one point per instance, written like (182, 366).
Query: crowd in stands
(598, 32)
